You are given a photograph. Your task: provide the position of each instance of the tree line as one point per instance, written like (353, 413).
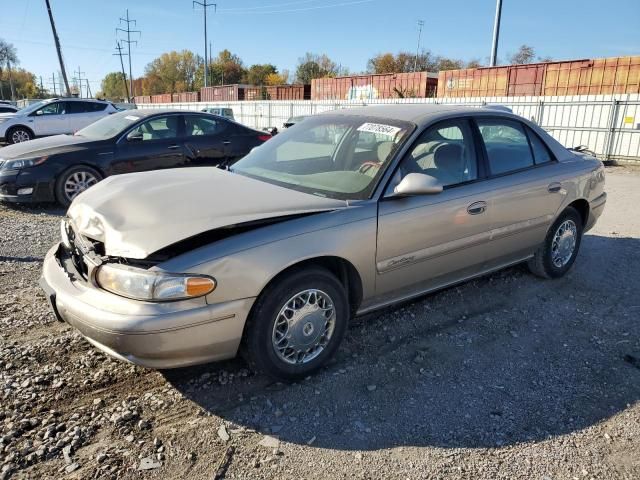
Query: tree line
(183, 71)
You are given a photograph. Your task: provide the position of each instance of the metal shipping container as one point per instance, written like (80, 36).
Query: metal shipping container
(142, 99)
(288, 92)
(368, 87)
(228, 93)
(575, 77)
(161, 98)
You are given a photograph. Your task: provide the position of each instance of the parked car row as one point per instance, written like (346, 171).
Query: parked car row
(60, 167)
(341, 214)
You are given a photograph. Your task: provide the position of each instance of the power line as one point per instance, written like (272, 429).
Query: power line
(303, 9)
(272, 5)
(205, 4)
(128, 41)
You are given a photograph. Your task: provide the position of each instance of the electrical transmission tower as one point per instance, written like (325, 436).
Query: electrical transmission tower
(79, 81)
(205, 4)
(124, 75)
(52, 81)
(415, 63)
(128, 41)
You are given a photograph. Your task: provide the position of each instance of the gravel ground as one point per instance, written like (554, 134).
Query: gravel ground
(505, 377)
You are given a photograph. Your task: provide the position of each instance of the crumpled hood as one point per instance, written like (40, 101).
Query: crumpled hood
(137, 214)
(44, 146)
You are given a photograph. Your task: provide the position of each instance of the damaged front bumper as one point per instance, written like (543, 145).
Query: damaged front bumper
(153, 335)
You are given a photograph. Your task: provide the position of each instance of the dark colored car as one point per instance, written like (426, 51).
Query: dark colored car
(59, 168)
(7, 108)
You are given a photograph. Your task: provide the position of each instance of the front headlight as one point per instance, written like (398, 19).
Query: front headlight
(140, 284)
(23, 163)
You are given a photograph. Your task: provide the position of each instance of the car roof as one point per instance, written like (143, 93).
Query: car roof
(420, 114)
(147, 112)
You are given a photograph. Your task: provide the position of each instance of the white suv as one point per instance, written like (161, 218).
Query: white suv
(52, 117)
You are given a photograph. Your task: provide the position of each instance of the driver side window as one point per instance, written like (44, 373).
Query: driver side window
(444, 151)
(159, 128)
(56, 108)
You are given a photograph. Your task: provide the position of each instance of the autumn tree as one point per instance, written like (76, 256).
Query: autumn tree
(277, 78)
(172, 72)
(525, 54)
(313, 65)
(227, 68)
(8, 57)
(404, 62)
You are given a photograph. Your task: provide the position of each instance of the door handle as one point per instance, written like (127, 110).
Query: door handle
(226, 143)
(173, 147)
(554, 187)
(477, 208)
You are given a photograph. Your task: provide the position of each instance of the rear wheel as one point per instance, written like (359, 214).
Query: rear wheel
(296, 324)
(556, 255)
(19, 135)
(75, 181)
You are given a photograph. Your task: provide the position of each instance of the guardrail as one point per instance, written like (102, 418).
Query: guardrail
(609, 125)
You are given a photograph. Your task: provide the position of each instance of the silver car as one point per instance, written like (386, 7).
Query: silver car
(345, 213)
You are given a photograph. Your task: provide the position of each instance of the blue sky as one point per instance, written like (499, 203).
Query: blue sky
(349, 31)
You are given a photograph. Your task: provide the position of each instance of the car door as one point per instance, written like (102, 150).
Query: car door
(205, 140)
(152, 144)
(525, 195)
(431, 240)
(51, 119)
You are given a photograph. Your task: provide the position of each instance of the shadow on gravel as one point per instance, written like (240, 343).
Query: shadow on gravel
(501, 360)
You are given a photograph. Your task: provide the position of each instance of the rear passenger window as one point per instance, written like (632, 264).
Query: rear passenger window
(506, 144)
(541, 152)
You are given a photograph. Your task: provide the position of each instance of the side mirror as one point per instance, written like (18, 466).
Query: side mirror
(38, 112)
(417, 184)
(134, 137)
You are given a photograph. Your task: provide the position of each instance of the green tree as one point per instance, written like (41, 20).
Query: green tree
(257, 74)
(525, 54)
(313, 65)
(112, 87)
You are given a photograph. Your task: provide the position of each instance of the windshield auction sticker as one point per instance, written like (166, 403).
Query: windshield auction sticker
(379, 128)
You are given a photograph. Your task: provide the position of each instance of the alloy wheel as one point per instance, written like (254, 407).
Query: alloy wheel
(77, 183)
(19, 136)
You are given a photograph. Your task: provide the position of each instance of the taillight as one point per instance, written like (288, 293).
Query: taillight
(264, 138)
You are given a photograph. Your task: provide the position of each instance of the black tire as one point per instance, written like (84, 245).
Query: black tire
(257, 347)
(542, 264)
(24, 132)
(62, 196)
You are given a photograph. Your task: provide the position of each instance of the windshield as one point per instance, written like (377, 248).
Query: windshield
(335, 156)
(110, 126)
(32, 108)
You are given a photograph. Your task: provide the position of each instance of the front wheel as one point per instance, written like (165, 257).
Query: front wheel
(556, 255)
(296, 324)
(75, 181)
(19, 135)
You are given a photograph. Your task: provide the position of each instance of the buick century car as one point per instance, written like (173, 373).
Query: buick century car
(342, 214)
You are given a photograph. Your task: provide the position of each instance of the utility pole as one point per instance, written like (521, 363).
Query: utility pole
(41, 87)
(78, 80)
(124, 75)
(420, 25)
(57, 42)
(496, 34)
(89, 94)
(128, 41)
(210, 62)
(205, 4)
(53, 82)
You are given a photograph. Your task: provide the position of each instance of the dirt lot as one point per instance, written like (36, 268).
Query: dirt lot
(504, 377)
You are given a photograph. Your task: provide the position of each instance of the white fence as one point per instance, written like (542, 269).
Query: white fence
(609, 125)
